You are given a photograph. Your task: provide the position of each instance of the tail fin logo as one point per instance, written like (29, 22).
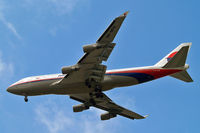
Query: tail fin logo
(171, 56)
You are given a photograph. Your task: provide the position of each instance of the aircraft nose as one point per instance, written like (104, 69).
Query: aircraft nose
(12, 89)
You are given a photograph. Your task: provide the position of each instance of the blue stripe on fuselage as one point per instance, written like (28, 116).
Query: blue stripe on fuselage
(141, 77)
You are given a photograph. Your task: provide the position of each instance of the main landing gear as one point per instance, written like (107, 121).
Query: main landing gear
(26, 99)
(98, 91)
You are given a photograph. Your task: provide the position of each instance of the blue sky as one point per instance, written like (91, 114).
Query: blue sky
(39, 37)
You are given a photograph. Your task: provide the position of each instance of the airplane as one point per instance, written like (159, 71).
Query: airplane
(88, 79)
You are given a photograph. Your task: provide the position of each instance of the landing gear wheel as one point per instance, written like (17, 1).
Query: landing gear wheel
(90, 94)
(26, 99)
(87, 83)
(98, 92)
(87, 107)
(99, 95)
(92, 102)
(98, 89)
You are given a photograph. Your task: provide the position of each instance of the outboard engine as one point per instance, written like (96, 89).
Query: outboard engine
(107, 116)
(80, 107)
(68, 69)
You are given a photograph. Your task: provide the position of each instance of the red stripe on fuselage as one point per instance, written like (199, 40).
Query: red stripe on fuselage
(157, 73)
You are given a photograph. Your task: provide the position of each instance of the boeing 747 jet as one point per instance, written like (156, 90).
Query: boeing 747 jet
(88, 79)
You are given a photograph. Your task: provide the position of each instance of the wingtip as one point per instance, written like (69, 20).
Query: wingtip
(146, 116)
(124, 14)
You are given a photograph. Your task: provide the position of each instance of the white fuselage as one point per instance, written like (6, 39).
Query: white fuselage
(45, 84)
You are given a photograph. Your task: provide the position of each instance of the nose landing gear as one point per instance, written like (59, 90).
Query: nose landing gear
(26, 99)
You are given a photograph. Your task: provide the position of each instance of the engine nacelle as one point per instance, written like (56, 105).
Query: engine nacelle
(80, 107)
(90, 47)
(68, 69)
(107, 116)
(186, 66)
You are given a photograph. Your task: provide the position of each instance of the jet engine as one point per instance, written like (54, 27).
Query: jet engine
(107, 116)
(80, 107)
(91, 47)
(68, 69)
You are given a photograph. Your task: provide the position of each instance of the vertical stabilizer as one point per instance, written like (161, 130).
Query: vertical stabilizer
(176, 60)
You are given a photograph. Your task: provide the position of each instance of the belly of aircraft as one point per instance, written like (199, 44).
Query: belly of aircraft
(47, 87)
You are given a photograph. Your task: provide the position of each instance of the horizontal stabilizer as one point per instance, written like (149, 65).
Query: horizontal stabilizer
(183, 75)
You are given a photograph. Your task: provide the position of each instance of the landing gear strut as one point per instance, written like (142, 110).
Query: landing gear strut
(98, 91)
(97, 88)
(26, 99)
(87, 83)
(91, 101)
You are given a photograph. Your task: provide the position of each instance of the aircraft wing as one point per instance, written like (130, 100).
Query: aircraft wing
(105, 103)
(110, 33)
(89, 66)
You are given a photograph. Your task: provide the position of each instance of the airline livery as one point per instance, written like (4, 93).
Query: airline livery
(86, 80)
